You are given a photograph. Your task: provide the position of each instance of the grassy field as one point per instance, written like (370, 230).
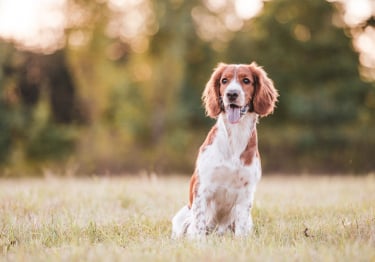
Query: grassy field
(128, 219)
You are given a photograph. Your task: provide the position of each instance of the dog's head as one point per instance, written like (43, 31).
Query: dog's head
(237, 90)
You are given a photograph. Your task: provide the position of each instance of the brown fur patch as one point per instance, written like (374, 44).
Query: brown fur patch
(209, 139)
(193, 187)
(211, 92)
(251, 149)
(265, 96)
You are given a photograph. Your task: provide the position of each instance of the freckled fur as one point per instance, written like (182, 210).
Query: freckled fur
(228, 168)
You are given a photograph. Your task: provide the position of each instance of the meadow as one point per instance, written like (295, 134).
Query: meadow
(127, 218)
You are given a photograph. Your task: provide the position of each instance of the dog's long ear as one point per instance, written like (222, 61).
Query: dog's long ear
(265, 96)
(211, 93)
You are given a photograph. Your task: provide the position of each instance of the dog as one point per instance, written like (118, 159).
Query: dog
(228, 166)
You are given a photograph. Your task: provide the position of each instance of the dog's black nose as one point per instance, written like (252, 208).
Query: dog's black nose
(232, 95)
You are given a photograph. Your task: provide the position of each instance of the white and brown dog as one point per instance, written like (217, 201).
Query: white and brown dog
(228, 167)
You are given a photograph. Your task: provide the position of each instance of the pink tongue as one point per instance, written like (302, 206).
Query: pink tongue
(234, 114)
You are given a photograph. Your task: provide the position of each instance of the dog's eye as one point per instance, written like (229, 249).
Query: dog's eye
(246, 81)
(224, 80)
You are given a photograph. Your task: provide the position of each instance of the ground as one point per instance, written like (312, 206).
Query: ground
(297, 218)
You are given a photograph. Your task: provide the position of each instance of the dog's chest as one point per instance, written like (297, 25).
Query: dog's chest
(228, 174)
(220, 166)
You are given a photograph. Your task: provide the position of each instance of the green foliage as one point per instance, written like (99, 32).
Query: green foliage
(311, 61)
(5, 138)
(51, 142)
(116, 99)
(313, 65)
(30, 131)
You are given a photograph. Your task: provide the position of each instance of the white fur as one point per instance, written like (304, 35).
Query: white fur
(234, 86)
(226, 186)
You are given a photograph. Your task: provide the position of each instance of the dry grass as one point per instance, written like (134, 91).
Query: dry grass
(128, 219)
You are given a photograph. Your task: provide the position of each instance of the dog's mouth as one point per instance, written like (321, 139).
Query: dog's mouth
(234, 113)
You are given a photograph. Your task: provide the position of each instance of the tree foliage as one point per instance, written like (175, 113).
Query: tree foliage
(124, 92)
(323, 99)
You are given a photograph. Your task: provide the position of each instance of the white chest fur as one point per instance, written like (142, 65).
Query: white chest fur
(225, 181)
(220, 163)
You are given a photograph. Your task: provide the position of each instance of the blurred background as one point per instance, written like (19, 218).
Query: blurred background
(114, 86)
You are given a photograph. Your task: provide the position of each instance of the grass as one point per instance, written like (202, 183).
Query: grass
(128, 219)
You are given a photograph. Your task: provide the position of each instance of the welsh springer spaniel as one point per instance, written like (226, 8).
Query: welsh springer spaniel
(228, 167)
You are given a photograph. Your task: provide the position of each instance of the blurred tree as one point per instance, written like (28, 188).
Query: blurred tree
(322, 106)
(133, 73)
(37, 103)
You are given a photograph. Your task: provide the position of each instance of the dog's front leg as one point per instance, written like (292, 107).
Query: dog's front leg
(243, 221)
(198, 226)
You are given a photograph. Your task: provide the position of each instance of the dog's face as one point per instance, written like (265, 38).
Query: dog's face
(234, 89)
